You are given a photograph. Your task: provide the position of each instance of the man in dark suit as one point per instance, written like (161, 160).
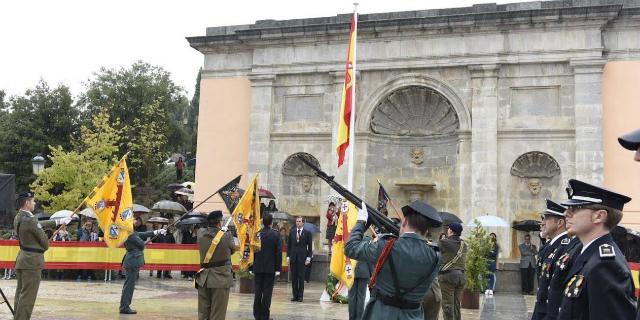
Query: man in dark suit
(267, 264)
(132, 261)
(300, 252)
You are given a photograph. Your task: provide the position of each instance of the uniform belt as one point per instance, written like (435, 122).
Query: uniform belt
(395, 302)
(215, 264)
(31, 249)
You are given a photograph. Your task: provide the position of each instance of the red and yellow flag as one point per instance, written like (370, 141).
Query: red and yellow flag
(344, 122)
(342, 266)
(246, 217)
(113, 204)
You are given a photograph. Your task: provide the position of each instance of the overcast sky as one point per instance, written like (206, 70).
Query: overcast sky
(67, 41)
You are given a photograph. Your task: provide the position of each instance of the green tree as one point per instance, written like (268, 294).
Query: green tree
(74, 173)
(140, 95)
(192, 116)
(476, 268)
(30, 123)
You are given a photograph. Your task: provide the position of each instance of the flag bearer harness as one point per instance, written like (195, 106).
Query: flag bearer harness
(397, 300)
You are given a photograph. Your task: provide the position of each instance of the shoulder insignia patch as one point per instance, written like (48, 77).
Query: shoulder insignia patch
(606, 251)
(565, 241)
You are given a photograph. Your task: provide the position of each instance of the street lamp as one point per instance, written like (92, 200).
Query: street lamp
(38, 164)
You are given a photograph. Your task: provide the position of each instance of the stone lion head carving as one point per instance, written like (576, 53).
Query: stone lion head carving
(417, 155)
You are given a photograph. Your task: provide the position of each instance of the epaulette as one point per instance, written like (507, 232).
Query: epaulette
(606, 251)
(565, 241)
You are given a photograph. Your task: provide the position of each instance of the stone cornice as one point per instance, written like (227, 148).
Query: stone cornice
(537, 134)
(475, 17)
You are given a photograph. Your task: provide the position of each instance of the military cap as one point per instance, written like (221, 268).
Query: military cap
(455, 227)
(581, 193)
(425, 210)
(214, 215)
(631, 140)
(27, 194)
(554, 209)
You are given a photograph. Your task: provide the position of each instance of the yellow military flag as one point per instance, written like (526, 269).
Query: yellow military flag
(113, 204)
(342, 266)
(246, 217)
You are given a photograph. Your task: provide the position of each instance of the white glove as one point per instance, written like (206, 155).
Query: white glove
(287, 260)
(224, 229)
(236, 242)
(64, 221)
(160, 231)
(277, 273)
(306, 262)
(250, 272)
(363, 214)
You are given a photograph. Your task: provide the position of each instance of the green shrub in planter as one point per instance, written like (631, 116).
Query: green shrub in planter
(476, 267)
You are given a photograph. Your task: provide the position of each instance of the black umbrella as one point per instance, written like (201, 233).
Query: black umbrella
(191, 220)
(448, 218)
(527, 225)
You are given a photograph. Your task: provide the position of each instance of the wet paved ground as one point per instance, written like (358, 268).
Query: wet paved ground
(176, 299)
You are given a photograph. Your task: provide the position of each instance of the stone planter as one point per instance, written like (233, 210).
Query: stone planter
(246, 285)
(470, 299)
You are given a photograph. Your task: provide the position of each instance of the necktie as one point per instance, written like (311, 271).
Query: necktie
(298, 237)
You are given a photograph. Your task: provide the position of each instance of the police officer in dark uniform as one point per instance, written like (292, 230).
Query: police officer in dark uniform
(631, 141)
(451, 274)
(566, 254)
(554, 226)
(404, 266)
(599, 284)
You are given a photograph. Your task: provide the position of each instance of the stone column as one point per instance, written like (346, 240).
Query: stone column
(484, 143)
(260, 126)
(588, 119)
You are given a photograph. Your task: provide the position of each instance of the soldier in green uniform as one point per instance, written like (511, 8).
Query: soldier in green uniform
(358, 291)
(132, 262)
(30, 260)
(433, 300)
(451, 276)
(214, 279)
(404, 267)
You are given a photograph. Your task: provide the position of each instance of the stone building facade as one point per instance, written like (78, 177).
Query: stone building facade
(487, 109)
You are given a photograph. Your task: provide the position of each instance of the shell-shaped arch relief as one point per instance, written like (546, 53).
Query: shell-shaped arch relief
(414, 111)
(535, 164)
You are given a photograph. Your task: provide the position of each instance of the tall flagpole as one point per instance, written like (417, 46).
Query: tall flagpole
(352, 135)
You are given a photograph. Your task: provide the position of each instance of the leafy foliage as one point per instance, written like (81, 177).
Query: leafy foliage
(476, 267)
(30, 123)
(150, 107)
(73, 174)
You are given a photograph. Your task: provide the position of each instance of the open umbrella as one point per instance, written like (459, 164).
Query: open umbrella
(185, 192)
(448, 218)
(311, 227)
(174, 186)
(140, 208)
(42, 216)
(176, 156)
(61, 214)
(264, 193)
(191, 162)
(189, 184)
(281, 216)
(527, 225)
(489, 221)
(88, 211)
(191, 220)
(167, 206)
(160, 220)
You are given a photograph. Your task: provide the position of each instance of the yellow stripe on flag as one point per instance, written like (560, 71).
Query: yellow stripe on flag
(341, 266)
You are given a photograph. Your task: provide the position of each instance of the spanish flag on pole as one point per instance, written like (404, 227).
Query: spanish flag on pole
(246, 217)
(113, 204)
(342, 266)
(345, 122)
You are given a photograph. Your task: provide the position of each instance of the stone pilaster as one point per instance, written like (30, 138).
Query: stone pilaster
(484, 142)
(588, 119)
(260, 126)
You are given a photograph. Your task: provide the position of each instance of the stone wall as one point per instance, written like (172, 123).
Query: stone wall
(517, 78)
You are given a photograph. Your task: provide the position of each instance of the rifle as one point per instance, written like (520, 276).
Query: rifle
(7, 302)
(375, 217)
